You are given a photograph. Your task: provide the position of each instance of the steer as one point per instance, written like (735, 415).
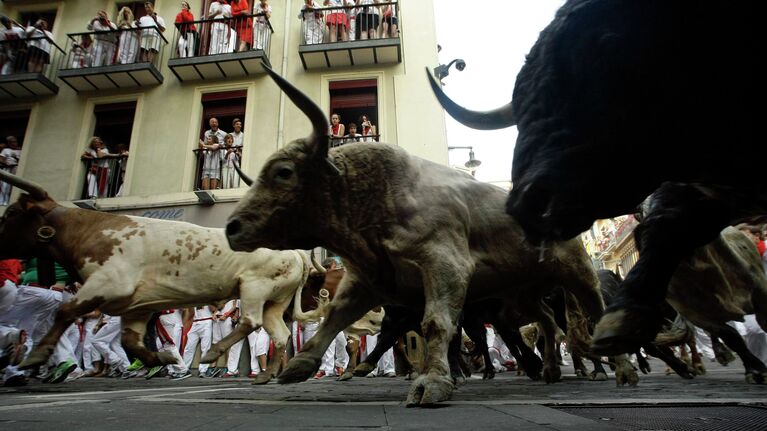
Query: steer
(134, 266)
(629, 91)
(411, 233)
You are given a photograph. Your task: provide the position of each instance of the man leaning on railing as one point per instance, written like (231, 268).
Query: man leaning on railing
(105, 40)
(12, 35)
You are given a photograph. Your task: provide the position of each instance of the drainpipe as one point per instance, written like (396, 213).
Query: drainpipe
(285, 47)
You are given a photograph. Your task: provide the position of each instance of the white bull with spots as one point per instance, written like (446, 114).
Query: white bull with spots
(135, 266)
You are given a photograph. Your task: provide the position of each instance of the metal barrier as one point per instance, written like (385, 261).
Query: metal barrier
(215, 169)
(222, 36)
(104, 177)
(337, 142)
(38, 54)
(349, 23)
(122, 46)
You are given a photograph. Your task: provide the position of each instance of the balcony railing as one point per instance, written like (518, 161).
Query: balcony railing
(350, 35)
(123, 58)
(104, 177)
(28, 67)
(221, 48)
(214, 169)
(337, 142)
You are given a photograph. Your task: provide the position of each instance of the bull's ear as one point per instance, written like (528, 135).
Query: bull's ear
(28, 203)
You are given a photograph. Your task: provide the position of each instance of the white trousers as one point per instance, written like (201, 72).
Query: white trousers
(107, 342)
(90, 354)
(174, 329)
(200, 333)
(386, 363)
(128, 47)
(755, 338)
(103, 53)
(186, 45)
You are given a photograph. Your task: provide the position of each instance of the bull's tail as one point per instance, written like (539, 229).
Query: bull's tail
(298, 312)
(680, 332)
(579, 327)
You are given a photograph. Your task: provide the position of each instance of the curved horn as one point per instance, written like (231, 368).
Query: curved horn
(321, 269)
(320, 124)
(35, 190)
(498, 118)
(245, 179)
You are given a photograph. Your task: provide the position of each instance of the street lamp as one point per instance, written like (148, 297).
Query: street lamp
(473, 162)
(443, 70)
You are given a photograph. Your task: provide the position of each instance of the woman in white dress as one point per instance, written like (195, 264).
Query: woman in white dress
(219, 31)
(127, 48)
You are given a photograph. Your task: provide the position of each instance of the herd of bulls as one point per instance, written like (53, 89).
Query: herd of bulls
(661, 90)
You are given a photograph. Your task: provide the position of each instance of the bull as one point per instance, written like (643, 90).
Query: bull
(134, 266)
(627, 98)
(411, 233)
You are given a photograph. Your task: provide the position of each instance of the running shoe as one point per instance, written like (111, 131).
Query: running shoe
(153, 372)
(62, 371)
(181, 376)
(136, 365)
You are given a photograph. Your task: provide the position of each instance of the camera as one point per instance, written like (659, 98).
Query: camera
(460, 65)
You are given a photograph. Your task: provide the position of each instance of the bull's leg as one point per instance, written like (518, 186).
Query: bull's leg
(445, 284)
(475, 329)
(65, 316)
(545, 317)
(697, 362)
(525, 356)
(642, 363)
(353, 299)
(666, 355)
(756, 372)
(396, 322)
(454, 360)
(670, 232)
(132, 339)
(279, 332)
(242, 330)
(353, 350)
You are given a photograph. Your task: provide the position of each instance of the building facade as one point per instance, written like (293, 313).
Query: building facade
(151, 109)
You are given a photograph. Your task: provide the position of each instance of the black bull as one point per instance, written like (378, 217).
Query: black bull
(623, 99)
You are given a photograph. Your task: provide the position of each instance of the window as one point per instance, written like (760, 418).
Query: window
(29, 18)
(13, 127)
(215, 168)
(356, 101)
(106, 161)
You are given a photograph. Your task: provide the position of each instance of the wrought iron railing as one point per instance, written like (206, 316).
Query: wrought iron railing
(122, 46)
(349, 23)
(104, 177)
(337, 142)
(222, 36)
(214, 169)
(18, 56)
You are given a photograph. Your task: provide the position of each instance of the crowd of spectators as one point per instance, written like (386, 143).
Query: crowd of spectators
(24, 48)
(217, 153)
(339, 134)
(345, 20)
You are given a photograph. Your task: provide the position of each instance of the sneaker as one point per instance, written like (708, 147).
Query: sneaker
(252, 375)
(371, 374)
(218, 372)
(114, 372)
(181, 376)
(15, 381)
(74, 375)
(129, 374)
(390, 374)
(62, 371)
(339, 371)
(136, 365)
(153, 372)
(319, 375)
(230, 374)
(205, 375)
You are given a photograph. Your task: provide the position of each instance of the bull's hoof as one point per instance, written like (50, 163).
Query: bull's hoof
(580, 372)
(458, 380)
(262, 378)
(429, 389)
(688, 373)
(625, 372)
(299, 369)
(363, 369)
(552, 374)
(37, 357)
(488, 374)
(755, 377)
(412, 375)
(699, 368)
(623, 331)
(210, 357)
(347, 375)
(597, 376)
(644, 367)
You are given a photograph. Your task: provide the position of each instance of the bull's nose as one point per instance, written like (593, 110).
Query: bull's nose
(233, 228)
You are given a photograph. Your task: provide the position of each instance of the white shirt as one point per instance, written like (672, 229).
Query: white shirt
(259, 9)
(11, 156)
(202, 313)
(42, 39)
(239, 138)
(220, 134)
(98, 26)
(372, 10)
(146, 21)
(103, 163)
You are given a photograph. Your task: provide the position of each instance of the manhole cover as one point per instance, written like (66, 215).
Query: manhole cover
(677, 418)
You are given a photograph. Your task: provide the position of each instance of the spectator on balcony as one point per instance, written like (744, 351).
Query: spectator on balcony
(104, 40)
(38, 46)
(187, 32)
(261, 26)
(368, 129)
(231, 43)
(98, 168)
(152, 25)
(367, 19)
(232, 155)
(127, 50)
(352, 136)
(81, 52)
(11, 36)
(313, 22)
(238, 134)
(389, 22)
(211, 162)
(242, 24)
(337, 21)
(219, 30)
(9, 160)
(336, 130)
(214, 130)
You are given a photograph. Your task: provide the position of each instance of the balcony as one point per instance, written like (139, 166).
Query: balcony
(214, 169)
(227, 48)
(351, 45)
(337, 142)
(30, 73)
(104, 177)
(108, 60)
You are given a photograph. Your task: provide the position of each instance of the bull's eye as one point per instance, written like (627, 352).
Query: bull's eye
(285, 173)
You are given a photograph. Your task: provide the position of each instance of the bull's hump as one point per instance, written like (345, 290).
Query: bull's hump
(96, 242)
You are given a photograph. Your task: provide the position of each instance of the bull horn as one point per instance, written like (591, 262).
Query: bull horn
(321, 269)
(34, 190)
(245, 179)
(319, 120)
(498, 118)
